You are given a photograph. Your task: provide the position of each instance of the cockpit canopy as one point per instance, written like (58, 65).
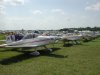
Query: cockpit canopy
(30, 36)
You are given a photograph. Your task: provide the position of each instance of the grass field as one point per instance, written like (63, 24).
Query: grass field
(75, 60)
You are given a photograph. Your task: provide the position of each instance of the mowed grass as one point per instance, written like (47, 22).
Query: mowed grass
(75, 60)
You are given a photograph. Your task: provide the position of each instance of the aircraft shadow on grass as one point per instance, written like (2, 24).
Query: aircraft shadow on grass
(71, 44)
(67, 45)
(26, 55)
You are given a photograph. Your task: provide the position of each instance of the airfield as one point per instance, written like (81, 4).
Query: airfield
(82, 59)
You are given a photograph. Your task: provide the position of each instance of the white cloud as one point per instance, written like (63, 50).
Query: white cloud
(58, 11)
(37, 12)
(16, 2)
(1, 1)
(3, 4)
(94, 7)
(2, 12)
(13, 2)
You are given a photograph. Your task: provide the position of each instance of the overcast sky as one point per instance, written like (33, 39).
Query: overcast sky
(48, 14)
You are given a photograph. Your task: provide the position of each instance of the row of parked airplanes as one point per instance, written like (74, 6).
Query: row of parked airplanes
(33, 40)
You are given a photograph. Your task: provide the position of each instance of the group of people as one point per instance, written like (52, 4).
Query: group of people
(11, 36)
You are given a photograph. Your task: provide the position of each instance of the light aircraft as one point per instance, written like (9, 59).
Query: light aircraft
(72, 37)
(31, 40)
(88, 36)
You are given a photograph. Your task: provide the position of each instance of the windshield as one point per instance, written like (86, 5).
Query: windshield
(29, 36)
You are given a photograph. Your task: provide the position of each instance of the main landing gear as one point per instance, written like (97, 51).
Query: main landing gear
(36, 53)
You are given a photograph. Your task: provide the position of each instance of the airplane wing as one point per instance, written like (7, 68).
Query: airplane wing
(22, 46)
(19, 46)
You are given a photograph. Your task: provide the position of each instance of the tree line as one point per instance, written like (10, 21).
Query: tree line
(81, 29)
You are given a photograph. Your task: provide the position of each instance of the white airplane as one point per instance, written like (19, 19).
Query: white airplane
(72, 37)
(31, 40)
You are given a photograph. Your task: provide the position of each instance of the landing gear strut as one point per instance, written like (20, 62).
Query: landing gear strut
(35, 53)
(49, 49)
